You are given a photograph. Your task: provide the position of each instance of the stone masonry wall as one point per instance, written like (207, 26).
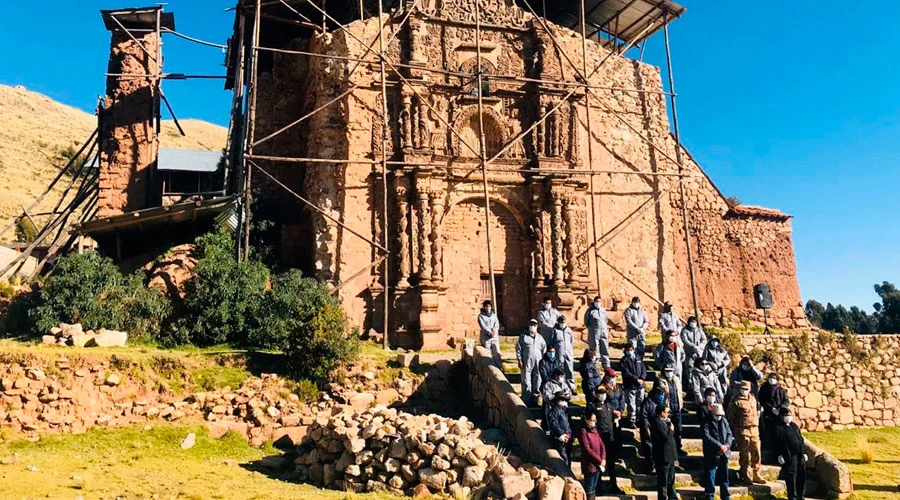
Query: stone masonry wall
(834, 381)
(505, 410)
(129, 142)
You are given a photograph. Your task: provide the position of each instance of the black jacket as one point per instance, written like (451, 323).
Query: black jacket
(590, 378)
(647, 412)
(772, 398)
(559, 422)
(546, 368)
(663, 440)
(789, 442)
(632, 369)
(716, 433)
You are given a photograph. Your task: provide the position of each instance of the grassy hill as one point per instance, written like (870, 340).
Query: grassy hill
(38, 133)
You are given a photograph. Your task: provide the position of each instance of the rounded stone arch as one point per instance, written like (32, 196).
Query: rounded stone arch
(466, 270)
(518, 213)
(496, 132)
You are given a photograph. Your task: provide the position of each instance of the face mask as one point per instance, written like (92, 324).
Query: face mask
(597, 304)
(532, 329)
(563, 326)
(547, 307)
(629, 354)
(612, 381)
(692, 325)
(551, 356)
(717, 417)
(744, 392)
(667, 420)
(591, 424)
(710, 399)
(669, 374)
(714, 344)
(660, 398)
(563, 404)
(560, 380)
(746, 368)
(773, 381)
(787, 419)
(636, 305)
(601, 398)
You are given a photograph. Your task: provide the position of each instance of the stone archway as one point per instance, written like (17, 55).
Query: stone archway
(466, 267)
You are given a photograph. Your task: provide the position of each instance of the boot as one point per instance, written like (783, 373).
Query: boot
(743, 477)
(757, 478)
(614, 489)
(591, 496)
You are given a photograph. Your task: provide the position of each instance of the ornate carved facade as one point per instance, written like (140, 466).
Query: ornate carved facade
(544, 222)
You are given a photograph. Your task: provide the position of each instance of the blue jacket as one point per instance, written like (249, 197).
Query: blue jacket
(632, 369)
(558, 423)
(590, 378)
(616, 399)
(716, 433)
(546, 369)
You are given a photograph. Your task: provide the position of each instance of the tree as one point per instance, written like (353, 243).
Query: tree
(888, 312)
(814, 312)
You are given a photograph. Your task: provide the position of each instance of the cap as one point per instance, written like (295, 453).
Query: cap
(717, 409)
(609, 372)
(561, 319)
(667, 304)
(561, 395)
(532, 322)
(784, 411)
(669, 367)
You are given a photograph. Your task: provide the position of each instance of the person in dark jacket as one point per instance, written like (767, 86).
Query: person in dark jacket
(791, 455)
(717, 441)
(772, 398)
(646, 414)
(615, 396)
(665, 452)
(558, 425)
(673, 398)
(634, 373)
(555, 384)
(611, 435)
(593, 454)
(590, 374)
(549, 364)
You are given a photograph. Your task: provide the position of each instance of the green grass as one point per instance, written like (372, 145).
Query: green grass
(218, 377)
(871, 481)
(134, 463)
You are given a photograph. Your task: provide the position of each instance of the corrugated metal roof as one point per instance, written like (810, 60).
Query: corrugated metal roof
(188, 160)
(621, 19)
(134, 19)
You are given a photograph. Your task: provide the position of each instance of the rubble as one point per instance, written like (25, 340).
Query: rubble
(74, 335)
(383, 449)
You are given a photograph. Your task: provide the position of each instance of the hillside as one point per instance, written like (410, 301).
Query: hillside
(38, 130)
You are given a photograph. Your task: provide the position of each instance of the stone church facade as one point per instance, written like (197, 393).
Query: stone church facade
(543, 206)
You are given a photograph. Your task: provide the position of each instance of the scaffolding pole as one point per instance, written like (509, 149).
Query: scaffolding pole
(684, 210)
(482, 153)
(590, 133)
(384, 187)
(251, 128)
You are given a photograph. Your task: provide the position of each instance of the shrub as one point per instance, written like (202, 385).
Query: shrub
(292, 302)
(222, 300)
(89, 289)
(731, 341)
(307, 391)
(318, 346)
(26, 231)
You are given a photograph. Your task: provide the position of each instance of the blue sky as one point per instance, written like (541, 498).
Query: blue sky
(793, 105)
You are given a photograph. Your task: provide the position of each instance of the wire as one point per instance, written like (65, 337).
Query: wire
(196, 40)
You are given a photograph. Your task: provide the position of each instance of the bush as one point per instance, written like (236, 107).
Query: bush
(26, 231)
(318, 346)
(222, 300)
(89, 289)
(292, 302)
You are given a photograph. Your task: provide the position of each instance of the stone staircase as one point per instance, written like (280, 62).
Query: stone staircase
(639, 486)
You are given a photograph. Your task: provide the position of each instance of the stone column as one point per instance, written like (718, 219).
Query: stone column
(424, 239)
(557, 238)
(437, 265)
(569, 239)
(406, 122)
(537, 232)
(402, 234)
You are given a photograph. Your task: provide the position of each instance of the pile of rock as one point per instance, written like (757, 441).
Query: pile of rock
(381, 449)
(262, 409)
(75, 335)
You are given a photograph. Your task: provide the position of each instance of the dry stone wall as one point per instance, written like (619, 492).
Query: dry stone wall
(495, 397)
(834, 381)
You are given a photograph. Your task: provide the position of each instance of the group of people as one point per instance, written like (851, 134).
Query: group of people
(734, 410)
